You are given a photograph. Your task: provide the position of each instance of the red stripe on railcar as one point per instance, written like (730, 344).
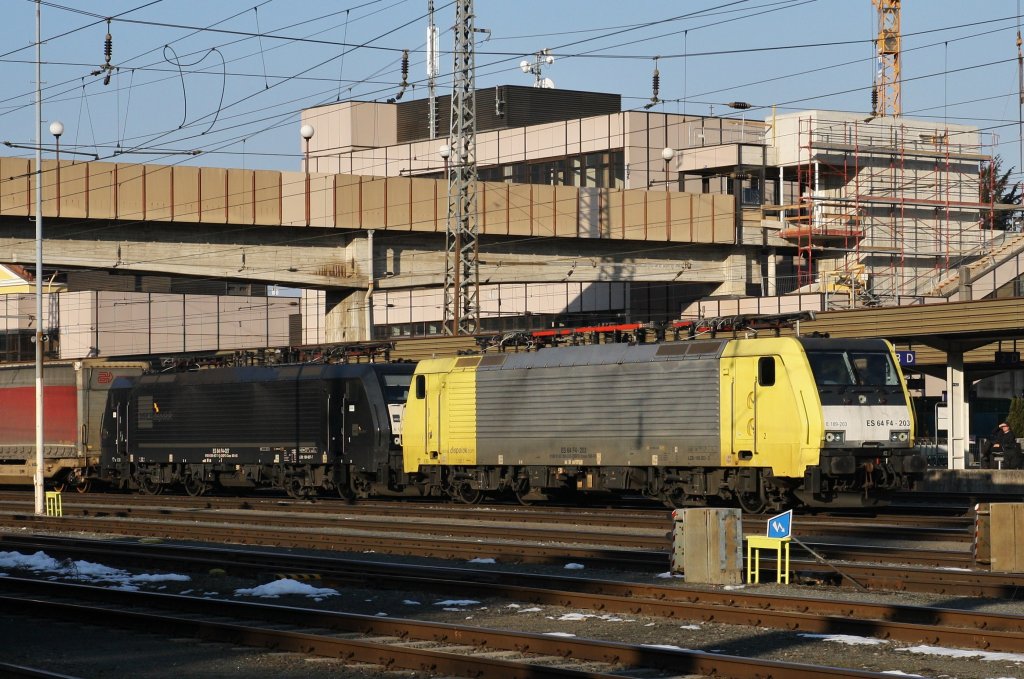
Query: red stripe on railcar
(18, 415)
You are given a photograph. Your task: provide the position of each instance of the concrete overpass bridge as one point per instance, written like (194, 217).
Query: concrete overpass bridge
(318, 230)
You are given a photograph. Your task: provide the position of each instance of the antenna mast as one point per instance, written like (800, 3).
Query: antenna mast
(461, 270)
(887, 87)
(433, 66)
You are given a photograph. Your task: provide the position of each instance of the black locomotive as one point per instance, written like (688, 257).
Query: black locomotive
(306, 429)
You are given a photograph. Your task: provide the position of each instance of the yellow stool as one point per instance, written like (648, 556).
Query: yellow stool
(755, 543)
(53, 503)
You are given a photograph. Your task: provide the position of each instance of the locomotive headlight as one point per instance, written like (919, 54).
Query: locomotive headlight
(835, 436)
(899, 436)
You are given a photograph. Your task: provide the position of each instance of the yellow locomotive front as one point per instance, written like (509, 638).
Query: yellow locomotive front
(826, 421)
(867, 422)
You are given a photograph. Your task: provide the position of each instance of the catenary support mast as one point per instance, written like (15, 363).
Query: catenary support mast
(461, 275)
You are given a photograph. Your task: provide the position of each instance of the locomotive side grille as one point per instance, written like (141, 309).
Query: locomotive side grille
(624, 412)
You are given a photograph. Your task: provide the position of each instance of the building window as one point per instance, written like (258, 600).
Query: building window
(599, 170)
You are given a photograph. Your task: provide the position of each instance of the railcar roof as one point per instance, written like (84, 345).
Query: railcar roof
(842, 344)
(605, 354)
(284, 373)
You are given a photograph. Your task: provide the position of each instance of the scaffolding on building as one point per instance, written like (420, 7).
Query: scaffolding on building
(883, 208)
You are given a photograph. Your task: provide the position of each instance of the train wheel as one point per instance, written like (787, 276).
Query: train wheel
(466, 494)
(297, 489)
(673, 499)
(527, 496)
(83, 486)
(195, 486)
(147, 486)
(347, 493)
(752, 503)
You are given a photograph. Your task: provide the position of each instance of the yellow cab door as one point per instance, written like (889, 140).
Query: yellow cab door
(421, 430)
(435, 412)
(766, 416)
(744, 408)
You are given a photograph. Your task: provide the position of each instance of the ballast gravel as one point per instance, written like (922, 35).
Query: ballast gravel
(98, 652)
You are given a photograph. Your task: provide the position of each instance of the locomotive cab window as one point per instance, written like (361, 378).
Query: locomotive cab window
(853, 368)
(874, 369)
(421, 386)
(396, 388)
(766, 371)
(831, 368)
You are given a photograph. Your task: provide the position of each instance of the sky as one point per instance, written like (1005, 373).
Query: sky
(40, 564)
(229, 78)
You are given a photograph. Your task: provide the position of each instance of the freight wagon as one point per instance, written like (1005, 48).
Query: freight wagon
(74, 398)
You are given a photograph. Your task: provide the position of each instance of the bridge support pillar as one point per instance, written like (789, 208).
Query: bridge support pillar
(957, 398)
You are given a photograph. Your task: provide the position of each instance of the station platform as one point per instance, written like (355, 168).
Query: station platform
(979, 482)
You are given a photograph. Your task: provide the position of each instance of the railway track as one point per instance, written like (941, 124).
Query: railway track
(408, 534)
(459, 650)
(917, 624)
(919, 528)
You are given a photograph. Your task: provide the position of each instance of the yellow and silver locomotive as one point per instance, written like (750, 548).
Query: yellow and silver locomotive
(764, 423)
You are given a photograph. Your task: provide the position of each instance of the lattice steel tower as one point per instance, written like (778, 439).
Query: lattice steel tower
(886, 96)
(461, 269)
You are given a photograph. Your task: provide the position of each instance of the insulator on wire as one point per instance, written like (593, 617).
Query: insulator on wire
(655, 86)
(405, 78)
(108, 44)
(108, 53)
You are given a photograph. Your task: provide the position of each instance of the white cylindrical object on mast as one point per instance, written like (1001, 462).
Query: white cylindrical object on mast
(433, 52)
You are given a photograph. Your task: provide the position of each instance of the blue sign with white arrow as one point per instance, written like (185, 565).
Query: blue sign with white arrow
(781, 526)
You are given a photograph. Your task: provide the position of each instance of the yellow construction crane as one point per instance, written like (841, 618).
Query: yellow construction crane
(885, 97)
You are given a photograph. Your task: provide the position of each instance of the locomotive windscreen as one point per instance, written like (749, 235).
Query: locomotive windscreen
(853, 368)
(396, 387)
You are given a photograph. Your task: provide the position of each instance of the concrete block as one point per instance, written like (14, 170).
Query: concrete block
(268, 197)
(520, 210)
(711, 543)
(186, 193)
(1007, 537)
(373, 203)
(159, 193)
(492, 202)
(15, 186)
(429, 205)
(399, 203)
(213, 185)
(347, 201)
(634, 216)
(101, 190)
(130, 191)
(74, 193)
(241, 187)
